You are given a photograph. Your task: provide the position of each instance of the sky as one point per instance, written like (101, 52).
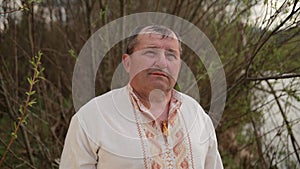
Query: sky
(258, 13)
(261, 11)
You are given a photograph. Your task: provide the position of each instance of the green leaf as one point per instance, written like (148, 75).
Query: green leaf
(15, 125)
(43, 78)
(30, 80)
(40, 54)
(30, 93)
(72, 53)
(14, 135)
(32, 102)
(36, 1)
(21, 109)
(24, 121)
(32, 63)
(25, 7)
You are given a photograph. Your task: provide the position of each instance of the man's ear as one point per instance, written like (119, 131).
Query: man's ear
(126, 62)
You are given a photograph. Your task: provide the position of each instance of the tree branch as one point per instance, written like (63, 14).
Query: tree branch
(287, 123)
(273, 77)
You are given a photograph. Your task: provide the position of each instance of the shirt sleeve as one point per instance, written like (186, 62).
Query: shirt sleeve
(213, 159)
(79, 151)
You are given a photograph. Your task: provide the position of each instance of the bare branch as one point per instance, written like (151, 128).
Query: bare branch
(273, 77)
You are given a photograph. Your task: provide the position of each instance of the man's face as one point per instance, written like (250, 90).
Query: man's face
(154, 63)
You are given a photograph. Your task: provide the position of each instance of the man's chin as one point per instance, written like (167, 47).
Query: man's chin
(163, 87)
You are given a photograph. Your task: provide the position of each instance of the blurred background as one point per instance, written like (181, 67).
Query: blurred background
(258, 43)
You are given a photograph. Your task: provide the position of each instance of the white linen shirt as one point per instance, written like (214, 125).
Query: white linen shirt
(108, 133)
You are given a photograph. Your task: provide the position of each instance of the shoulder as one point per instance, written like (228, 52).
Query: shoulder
(99, 105)
(95, 115)
(104, 100)
(188, 102)
(188, 99)
(191, 109)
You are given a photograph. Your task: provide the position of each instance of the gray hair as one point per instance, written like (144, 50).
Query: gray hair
(159, 29)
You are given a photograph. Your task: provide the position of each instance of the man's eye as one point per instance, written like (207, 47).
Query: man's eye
(171, 56)
(150, 53)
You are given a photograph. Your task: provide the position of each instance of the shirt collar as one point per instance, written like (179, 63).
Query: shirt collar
(174, 105)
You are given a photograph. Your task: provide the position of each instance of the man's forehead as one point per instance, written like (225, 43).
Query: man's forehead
(152, 40)
(165, 33)
(155, 35)
(155, 39)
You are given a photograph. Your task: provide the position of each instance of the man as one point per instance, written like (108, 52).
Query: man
(146, 124)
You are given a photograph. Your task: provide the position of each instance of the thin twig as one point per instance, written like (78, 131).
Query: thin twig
(28, 102)
(287, 123)
(273, 77)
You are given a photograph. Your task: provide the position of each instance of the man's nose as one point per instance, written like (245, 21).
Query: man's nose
(161, 61)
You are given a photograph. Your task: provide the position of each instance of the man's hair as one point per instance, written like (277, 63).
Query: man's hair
(158, 29)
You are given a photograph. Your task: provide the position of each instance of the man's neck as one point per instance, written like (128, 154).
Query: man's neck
(156, 101)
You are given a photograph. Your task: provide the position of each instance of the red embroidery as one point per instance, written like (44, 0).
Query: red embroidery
(178, 156)
(155, 165)
(149, 134)
(184, 164)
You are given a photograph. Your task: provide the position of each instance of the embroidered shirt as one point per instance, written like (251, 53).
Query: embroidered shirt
(113, 132)
(163, 151)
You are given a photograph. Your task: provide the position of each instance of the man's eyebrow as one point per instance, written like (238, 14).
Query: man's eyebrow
(171, 50)
(153, 47)
(157, 47)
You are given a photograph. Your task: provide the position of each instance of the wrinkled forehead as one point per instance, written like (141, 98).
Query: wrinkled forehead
(164, 32)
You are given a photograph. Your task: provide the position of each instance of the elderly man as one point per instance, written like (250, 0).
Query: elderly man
(146, 124)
